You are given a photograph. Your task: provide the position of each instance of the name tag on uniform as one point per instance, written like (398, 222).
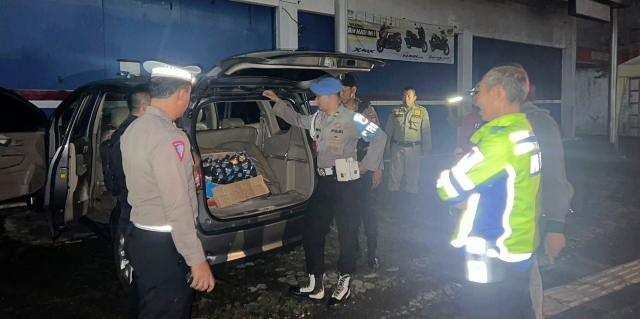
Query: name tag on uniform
(367, 129)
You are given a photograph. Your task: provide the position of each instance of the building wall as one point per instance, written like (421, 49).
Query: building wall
(592, 92)
(67, 43)
(501, 20)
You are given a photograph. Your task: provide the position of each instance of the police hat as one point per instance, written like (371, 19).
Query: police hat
(326, 86)
(157, 68)
(349, 80)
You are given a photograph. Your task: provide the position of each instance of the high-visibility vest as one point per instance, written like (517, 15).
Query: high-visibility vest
(499, 179)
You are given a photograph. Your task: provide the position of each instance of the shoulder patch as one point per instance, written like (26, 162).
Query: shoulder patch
(366, 128)
(179, 147)
(416, 112)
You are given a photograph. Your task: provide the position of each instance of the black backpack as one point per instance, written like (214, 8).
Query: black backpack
(107, 168)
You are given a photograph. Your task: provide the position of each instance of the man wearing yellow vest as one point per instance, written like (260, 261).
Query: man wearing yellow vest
(496, 185)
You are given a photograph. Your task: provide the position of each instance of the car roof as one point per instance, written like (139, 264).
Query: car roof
(121, 82)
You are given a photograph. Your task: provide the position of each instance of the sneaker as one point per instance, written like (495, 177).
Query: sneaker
(314, 290)
(342, 291)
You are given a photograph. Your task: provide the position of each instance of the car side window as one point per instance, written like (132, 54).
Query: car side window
(65, 119)
(85, 122)
(17, 116)
(248, 111)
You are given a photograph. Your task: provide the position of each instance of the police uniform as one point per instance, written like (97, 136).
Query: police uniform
(162, 242)
(336, 137)
(365, 190)
(409, 134)
(499, 179)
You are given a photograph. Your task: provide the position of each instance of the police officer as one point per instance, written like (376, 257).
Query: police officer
(336, 131)
(409, 134)
(162, 242)
(496, 185)
(369, 180)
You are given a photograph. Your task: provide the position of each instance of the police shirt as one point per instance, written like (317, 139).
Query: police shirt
(410, 125)
(158, 164)
(337, 136)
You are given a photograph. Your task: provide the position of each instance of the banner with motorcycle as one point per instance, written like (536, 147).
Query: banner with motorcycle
(384, 37)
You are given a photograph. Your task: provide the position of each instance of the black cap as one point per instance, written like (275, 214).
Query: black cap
(349, 80)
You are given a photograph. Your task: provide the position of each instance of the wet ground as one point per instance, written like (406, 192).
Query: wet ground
(74, 277)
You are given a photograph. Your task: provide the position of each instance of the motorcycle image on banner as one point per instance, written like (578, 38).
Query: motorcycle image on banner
(389, 40)
(381, 37)
(419, 41)
(440, 42)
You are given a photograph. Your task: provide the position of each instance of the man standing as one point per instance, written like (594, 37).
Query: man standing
(162, 241)
(114, 179)
(470, 124)
(409, 134)
(556, 191)
(496, 185)
(336, 131)
(369, 180)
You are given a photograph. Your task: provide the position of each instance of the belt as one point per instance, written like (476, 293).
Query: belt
(405, 144)
(326, 171)
(159, 229)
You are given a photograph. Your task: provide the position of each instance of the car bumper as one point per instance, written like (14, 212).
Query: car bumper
(225, 247)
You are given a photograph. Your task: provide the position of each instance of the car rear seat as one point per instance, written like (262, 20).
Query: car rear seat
(233, 129)
(200, 126)
(118, 115)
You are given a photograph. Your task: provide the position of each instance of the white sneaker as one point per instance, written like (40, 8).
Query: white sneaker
(314, 290)
(342, 291)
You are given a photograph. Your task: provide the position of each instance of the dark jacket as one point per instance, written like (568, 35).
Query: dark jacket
(555, 189)
(114, 174)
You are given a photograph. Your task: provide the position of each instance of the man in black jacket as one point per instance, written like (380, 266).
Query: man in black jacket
(114, 177)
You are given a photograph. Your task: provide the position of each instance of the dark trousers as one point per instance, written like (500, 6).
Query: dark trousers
(134, 301)
(331, 199)
(366, 211)
(160, 273)
(507, 299)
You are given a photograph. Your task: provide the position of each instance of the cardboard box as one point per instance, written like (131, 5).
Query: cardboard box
(229, 194)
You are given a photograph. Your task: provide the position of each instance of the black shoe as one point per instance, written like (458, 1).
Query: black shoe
(342, 292)
(314, 291)
(374, 263)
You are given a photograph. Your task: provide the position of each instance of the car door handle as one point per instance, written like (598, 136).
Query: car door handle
(5, 142)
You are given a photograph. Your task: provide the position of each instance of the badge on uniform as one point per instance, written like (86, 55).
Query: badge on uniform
(416, 112)
(179, 147)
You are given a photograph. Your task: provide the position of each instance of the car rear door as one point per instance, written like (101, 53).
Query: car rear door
(71, 159)
(22, 147)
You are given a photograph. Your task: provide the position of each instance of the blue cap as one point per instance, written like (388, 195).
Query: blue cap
(326, 86)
